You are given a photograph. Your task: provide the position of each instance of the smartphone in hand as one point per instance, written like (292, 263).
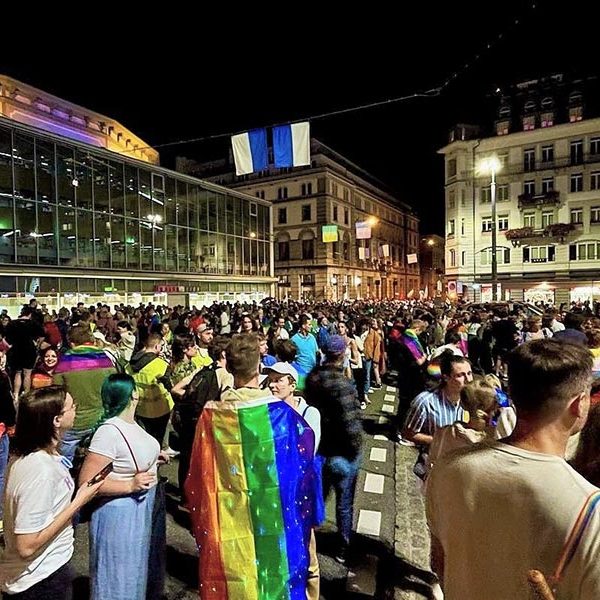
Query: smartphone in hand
(101, 475)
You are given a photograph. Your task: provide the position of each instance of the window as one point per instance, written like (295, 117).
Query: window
(260, 194)
(547, 184)
(452, 168)
(585, 251)
(529, 123)
(502, 193)
(306, 212)
(283, 250)
(282, 193)
(462, 227)
(486, 194)
(452, 257)
(307, 279)
(463, 199)
(576, 182)
(486, 224)
(346, 195)
(595, 180)
(529, 159)
(547, 218)
(539, 254)
(577, 152)
(158, 183)
(529, 188)
(503, 223)
(595, 145)
(308, 249)
(346, 216)
(282, 215)
(451, 200)
(463, 258)
(502, 256)
(529, 220)
(547, 154)
(335, 212)
(451, 227)
(595, 214)
(253, 209)
(334, 188)
(577, 216)
(306, 189)
(503, 160)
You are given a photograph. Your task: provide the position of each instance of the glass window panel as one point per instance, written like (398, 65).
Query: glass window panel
(85, 238)
(102, 239)
(47, 234)
(100, 186)
(67, 236)
(132, 205)
(116, 188)
(26, 231)
(208, 252)
(6, 183)
(263, 222)
(132, 243)
(117, 241)
(238, 218)
(23, 158)
(159, 247)
(171, 247)
(221, 218)
(44, 161)
(65, 174)
(146, 204)
(146, 245)
(196, 208)
(84, 177)
(246, 256)
(222, 251)
(170, 203)
(86, 285)
(196, 263)
(183, 249)
(239, 258)
(182, 204)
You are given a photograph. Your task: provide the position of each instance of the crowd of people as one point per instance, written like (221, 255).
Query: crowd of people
(93, 399)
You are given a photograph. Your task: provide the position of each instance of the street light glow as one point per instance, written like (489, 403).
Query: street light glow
(489, 165)
(430, 242)
(372, 221)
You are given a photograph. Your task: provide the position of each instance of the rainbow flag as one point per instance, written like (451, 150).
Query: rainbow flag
(251, 491)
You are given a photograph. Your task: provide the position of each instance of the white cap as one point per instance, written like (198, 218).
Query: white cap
(100, 336)
(283, 368)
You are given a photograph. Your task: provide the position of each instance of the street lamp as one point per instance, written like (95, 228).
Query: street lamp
(490, 166)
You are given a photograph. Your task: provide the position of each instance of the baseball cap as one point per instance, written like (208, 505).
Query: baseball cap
(335, 344)
(100, 336)
(283, 368)
(204, 327)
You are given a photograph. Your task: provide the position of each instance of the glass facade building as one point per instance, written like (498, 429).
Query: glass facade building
(78, 221)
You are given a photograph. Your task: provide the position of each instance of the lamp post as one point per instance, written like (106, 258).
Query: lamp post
(490, 166)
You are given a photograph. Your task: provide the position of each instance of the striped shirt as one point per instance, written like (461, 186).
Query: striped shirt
(430, 411)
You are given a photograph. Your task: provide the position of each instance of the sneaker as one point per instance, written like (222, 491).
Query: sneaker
(170, 452)
(363, 405)
(404, 441)
(341, 555)
(377, 386)
(371, 391)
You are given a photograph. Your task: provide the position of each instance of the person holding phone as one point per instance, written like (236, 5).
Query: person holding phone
(121, 526)
(38, 502)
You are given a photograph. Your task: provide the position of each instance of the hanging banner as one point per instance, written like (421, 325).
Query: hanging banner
(411, 259)
(329, 233)
(363, 230)
(384, 250)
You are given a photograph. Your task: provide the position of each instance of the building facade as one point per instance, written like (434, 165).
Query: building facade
(85, 221)
(331, 195)
(547, 201)
(432, 265)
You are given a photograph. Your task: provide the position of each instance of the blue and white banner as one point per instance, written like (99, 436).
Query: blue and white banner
(291, 145)
(250, 151)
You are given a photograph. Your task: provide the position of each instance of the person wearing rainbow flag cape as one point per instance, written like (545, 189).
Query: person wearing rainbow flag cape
(251, 489)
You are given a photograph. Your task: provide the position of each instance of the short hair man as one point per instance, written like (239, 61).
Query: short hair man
(498, 509)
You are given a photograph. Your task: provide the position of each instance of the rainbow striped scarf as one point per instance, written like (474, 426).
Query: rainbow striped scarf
(251, 490)
(83, 358)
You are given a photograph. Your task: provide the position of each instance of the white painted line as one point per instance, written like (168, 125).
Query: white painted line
(388, 408)
(382, 420)
(380, 438)
(378, 454)
(374, 483)
(390, 388)
(369, 522)
(389, 398)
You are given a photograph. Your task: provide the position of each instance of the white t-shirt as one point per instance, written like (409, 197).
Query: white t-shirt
(499, 511)
(38, 488)
(108, 442)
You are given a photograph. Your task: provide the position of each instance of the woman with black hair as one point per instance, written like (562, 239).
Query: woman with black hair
(121, 526)
(38, 508)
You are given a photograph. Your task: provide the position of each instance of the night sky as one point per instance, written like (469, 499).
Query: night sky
(171, 77)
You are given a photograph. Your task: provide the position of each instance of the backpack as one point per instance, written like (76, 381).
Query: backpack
(203, 387)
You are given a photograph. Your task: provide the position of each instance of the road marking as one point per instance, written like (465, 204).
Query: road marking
(390, 388)
(388, 408)
(378, 454)
(369, 522)
(374, 483)
(389, 398)
(380, 438)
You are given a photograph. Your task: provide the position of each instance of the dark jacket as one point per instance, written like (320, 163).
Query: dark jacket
(332, 393)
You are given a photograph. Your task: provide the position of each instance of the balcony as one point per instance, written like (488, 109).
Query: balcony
(558, 231)
(550, 198)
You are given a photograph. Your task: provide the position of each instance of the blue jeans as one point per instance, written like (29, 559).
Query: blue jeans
(341, 473)
(3, 463)
(367, 364)
(71, 440)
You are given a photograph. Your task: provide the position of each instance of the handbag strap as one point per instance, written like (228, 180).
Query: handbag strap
(574, 539)
(137, 469)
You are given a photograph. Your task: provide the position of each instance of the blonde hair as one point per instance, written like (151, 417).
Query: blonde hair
(479, 398)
